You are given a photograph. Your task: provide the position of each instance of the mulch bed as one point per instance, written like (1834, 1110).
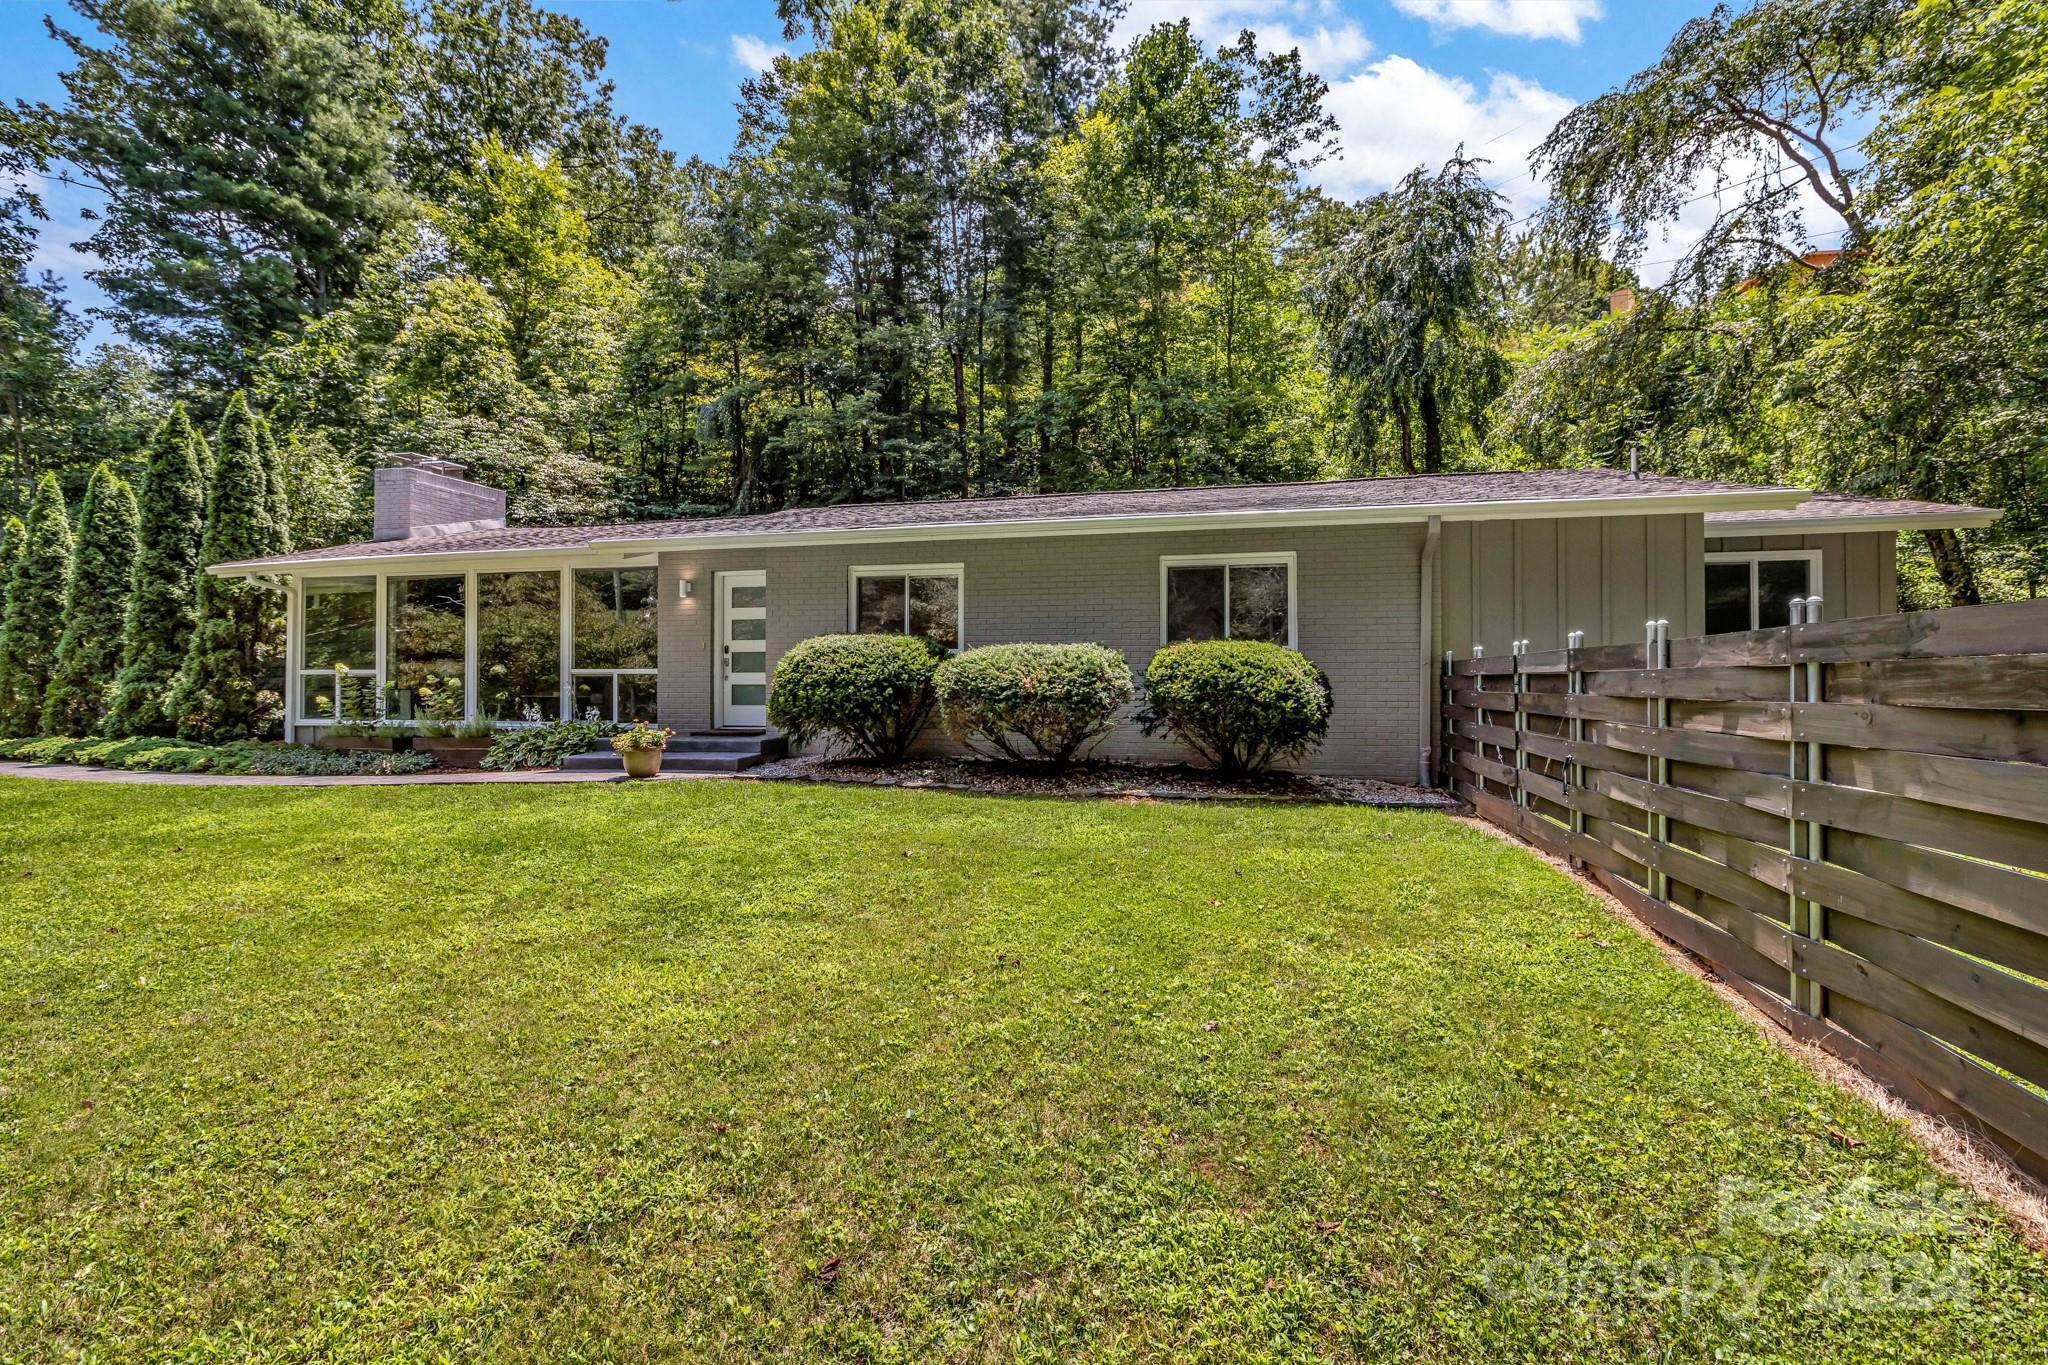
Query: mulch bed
(1122, 781)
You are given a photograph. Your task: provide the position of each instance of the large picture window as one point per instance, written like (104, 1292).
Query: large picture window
(424, 648)
(614, 657)
(917, 599)
(519, 645)
(1227, 597)
(1755, 591)
(338, 649)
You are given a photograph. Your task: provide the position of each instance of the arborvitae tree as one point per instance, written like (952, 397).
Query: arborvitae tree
(11, 536)
(236, 642)
(274, 497)
(35, 610)
(102, 568)
(158, 625)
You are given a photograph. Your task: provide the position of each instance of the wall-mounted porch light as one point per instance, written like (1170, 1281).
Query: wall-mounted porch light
(686, 588)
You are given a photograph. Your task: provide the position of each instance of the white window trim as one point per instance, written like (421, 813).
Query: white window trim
(956, 572)
(1756, 557)
(379, 674)
(614, 674)
(1285, 557)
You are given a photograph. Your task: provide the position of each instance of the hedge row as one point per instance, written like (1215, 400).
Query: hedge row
(1241, 705)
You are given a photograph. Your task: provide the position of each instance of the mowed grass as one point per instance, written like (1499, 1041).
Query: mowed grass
(614, 1073)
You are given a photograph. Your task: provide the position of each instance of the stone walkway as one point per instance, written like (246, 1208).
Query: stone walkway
(75, 772)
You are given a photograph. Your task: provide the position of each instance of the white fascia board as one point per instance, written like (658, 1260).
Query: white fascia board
(1959, 519)
(444, 561)
(611, 551)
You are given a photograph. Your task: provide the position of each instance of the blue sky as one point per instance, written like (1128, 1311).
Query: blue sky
(1409, 79)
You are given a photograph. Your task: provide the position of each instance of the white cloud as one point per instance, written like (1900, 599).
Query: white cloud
(756, 54)
(1397, 114)
(1330, 44)
(1516, 18)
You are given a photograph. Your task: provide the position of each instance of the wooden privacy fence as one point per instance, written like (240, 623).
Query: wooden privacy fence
(1848, 819)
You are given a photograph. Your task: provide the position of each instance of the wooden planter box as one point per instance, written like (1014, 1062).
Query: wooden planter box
(389, 745)
(451, 751)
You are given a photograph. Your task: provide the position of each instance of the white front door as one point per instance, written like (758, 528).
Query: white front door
(743, 649)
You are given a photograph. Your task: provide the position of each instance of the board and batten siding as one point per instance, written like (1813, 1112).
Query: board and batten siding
(1859, 570)
(1357, 595)
(1540, 579)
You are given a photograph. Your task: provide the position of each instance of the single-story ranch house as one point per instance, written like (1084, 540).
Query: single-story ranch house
(449, 612)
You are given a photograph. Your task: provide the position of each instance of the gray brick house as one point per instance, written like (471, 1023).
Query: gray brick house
(451, 612)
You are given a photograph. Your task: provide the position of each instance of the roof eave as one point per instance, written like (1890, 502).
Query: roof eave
(1513, 509)
(1955, 519)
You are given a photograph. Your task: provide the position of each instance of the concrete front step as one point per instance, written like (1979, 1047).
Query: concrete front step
(693, 754)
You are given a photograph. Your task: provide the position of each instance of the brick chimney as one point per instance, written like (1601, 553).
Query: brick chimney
(419, 495)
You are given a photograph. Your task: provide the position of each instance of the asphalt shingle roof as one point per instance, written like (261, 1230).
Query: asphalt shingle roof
(1424, 490)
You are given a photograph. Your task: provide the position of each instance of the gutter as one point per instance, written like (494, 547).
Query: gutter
(1427, 653)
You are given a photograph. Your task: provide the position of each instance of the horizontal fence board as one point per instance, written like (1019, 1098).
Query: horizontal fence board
(1985, 682)
(2019, 790)
(2011, 1111)
(1699, 808)
(2012, 1003)
(1694, 746)
(2012, 737)
(1847, 891)
(1995, 838)
(2002, 628)
(1693, 684)
(1880, 988)
(2000, 893)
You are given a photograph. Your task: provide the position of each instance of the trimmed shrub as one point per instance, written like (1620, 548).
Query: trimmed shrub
(120, 753)
(871, 694)
(11, 748)
(51, 749)
(1056, 699)
(545, 746)
(297, 760)
(178, 758)
(1241, 704)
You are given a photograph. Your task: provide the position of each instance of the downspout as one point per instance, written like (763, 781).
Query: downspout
(1427, 652)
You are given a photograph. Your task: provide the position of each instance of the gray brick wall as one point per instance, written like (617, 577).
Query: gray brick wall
(407, 499)
(1356, 593)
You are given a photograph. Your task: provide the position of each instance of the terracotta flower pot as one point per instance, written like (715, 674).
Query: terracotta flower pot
(641, 762)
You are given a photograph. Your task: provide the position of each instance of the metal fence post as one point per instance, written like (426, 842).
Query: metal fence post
(1798, 757)
(1519, 680)
(1816, 832)
(1655, 646)
(1575, 685)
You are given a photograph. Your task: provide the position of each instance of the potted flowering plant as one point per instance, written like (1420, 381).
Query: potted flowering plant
(640, 747)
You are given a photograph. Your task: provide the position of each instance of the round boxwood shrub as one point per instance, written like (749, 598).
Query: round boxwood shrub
(1055, 699)
(1241, 704)
(871, 694)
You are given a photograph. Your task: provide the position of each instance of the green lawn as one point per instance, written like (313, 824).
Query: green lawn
(600, 1072)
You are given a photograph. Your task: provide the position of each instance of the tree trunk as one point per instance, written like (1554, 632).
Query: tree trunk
(1407, 438)
(960, 414)
(1952, 563)
(1432, 433)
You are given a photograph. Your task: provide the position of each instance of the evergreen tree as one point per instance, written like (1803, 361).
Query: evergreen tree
(159, 619)
(245, 155)
(35, 610)
(275, 500)
(11, 536)
(219, 694)
(102, 566)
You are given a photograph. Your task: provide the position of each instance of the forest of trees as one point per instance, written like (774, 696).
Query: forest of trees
(971, 247)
